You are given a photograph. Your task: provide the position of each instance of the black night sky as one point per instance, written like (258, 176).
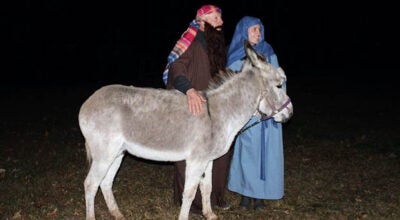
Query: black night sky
(52, 42)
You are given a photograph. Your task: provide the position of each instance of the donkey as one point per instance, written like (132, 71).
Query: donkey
(155, 124)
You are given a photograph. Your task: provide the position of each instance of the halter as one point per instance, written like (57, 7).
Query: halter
(265, 117)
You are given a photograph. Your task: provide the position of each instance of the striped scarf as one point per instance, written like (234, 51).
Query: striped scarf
(181, 46)
(188, 37)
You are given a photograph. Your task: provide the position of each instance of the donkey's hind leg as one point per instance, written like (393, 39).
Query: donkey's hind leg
(205, 189)
(105, 156)
(92, 182)
(106, 188)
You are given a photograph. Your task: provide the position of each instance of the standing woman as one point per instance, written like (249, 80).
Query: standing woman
(257, 168)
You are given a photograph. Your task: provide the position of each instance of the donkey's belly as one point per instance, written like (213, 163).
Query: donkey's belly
(155, 153)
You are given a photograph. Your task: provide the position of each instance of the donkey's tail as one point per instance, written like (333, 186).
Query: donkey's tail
(88, 154)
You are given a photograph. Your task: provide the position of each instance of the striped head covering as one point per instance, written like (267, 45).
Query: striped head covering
(187, 37)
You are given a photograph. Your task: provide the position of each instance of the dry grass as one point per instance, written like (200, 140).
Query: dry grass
(341, 159)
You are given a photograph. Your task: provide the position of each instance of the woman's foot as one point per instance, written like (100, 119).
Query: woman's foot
(259, 204)
(245, 203)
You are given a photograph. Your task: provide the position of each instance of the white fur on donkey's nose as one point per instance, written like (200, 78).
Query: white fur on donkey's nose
(285, 114)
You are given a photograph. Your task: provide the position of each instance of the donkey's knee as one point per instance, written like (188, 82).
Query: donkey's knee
(189, 193)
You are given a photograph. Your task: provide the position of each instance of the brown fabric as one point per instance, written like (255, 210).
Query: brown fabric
(194, 65)
(219, 180)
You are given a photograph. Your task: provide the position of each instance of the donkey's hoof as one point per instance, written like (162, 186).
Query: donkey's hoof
(118, 215)
(211, 216)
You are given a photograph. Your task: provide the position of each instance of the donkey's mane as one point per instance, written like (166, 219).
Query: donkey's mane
(221, 78)
(225, 75)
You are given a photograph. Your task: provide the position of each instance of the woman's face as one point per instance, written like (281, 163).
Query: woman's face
(254, 34)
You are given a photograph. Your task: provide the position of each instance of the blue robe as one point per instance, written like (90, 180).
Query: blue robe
(257, 166)
(257, 170)
(248, 175)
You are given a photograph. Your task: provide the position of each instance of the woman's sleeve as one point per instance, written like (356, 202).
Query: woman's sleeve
(274, 60)
(236, 66)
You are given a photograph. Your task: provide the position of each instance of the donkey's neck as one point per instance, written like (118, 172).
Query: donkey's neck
(232, 105)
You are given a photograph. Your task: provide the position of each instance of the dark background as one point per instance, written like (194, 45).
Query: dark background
(78, 42)
(341, 59)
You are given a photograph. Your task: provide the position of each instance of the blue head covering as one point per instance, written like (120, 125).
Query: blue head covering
(236, 48)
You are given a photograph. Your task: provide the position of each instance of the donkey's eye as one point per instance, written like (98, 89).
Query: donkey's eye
(279, 86)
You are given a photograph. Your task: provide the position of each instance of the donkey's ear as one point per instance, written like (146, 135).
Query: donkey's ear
(247, 65)
(255, 58)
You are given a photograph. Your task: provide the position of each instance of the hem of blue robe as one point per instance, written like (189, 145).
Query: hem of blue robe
(251, 195)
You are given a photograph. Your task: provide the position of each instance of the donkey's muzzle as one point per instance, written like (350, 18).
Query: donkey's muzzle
(284, 114)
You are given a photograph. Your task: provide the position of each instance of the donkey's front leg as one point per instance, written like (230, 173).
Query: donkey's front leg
(206, 188)
(193, 173)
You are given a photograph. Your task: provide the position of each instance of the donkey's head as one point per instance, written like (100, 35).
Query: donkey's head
(274, 102)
